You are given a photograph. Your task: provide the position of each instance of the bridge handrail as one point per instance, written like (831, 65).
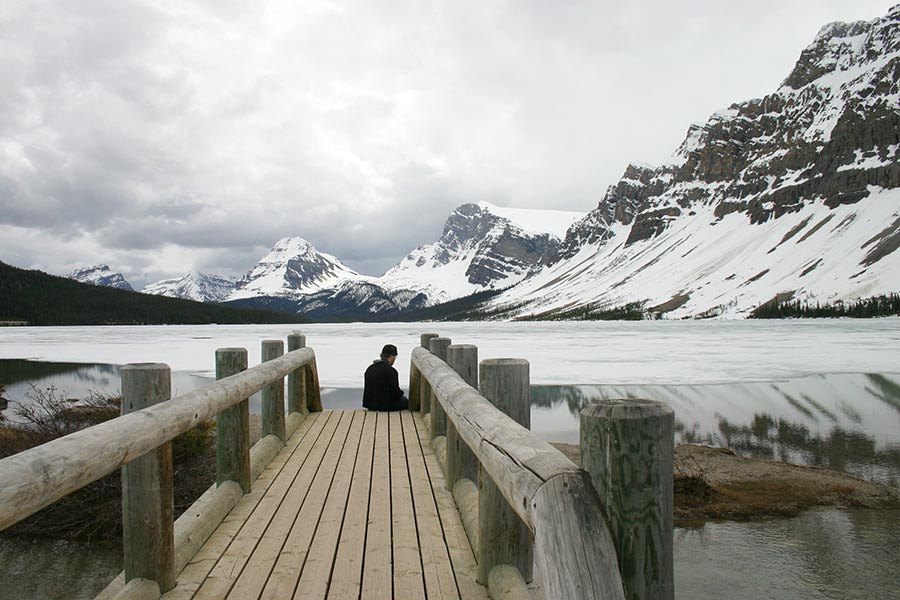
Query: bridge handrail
(35, 478)
(574, 555)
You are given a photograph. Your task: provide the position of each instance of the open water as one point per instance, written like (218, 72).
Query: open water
(811, 392)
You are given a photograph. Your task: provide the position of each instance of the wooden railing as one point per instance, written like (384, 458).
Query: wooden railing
(526, 506)
(139, 442)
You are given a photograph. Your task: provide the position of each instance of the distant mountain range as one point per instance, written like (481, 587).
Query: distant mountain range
(101, 275)
(792, 196)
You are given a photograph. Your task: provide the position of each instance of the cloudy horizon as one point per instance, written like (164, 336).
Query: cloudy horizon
(164, 137)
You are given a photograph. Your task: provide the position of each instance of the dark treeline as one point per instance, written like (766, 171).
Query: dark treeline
(42, 299)
(876, 306)
(632, 311)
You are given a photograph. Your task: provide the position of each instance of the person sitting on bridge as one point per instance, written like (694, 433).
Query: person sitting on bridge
(382, 384)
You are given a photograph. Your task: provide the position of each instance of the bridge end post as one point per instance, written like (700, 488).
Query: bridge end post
(502, 536)
(627, 448)
(296, 384)
(273, 394)
(233, 425)
(147, 488)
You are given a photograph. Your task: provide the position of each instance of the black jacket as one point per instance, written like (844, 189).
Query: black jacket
(382, 387)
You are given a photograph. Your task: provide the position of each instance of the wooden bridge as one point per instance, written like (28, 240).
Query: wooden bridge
(455, 498)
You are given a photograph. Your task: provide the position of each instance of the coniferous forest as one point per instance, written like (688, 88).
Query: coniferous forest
(42, 299)
(876, 306)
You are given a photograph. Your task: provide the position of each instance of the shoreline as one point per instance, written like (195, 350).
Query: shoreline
(715, 484)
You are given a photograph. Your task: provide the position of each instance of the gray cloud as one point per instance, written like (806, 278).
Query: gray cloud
(160, 137)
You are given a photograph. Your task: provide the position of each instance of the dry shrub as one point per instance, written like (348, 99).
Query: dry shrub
(95, 511)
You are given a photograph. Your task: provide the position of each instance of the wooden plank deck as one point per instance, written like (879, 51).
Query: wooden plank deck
(353, 507)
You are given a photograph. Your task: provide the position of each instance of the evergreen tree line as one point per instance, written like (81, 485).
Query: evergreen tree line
(42, 299)
(876, 306)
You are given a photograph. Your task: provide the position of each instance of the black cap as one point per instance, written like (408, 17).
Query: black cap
(389, 350)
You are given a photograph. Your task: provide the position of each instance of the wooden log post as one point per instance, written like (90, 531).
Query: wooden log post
(273, 394)
(627, 447)
(311, 389)
(147, 490)
(438, 346)
(233, 425)
(415, 377)
(296, 384)
(502, 536)
(461, 461)
(424, 387)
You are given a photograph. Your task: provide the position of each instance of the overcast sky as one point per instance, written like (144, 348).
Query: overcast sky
(168, 135)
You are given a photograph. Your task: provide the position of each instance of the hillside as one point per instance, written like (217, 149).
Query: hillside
(43, 299)
(794, 196)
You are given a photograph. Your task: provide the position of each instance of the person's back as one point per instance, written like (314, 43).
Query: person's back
(382, 383)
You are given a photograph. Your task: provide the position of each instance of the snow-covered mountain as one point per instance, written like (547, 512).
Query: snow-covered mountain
(101, 275)
(482, 247)
(359, 300)
(292, 268)
(795, 195)
(193, 286)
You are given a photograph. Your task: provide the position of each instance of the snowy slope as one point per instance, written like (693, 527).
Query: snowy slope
(705, 266)
(792, 195)
(483, 246)
(101, 275)
(193, 286)
(291, 269)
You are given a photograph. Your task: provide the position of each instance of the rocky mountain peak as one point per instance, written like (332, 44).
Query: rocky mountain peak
(194, 285)
(101, 275)
(292, 268)
(482, 246)
(829, 134)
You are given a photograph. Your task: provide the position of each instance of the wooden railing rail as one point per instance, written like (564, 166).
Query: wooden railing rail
(574, 556)
(156, 548)
(36, 478)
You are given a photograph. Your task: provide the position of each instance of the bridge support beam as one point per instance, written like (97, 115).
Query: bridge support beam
(147, 490)
(415, 379)
(503, 538)
(627, 447)
(273, 394)
(296, 380)
(438, 346)
(424, 386)
(461, 461)
(233, 425)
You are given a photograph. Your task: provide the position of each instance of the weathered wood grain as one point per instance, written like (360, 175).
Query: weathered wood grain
(506, 583)
(147, 488)
(32, 479)
(377, 574)
(296, 384)
(348, 562)
(465, 494)
(273, 394)
(574, 556)
(233, 425)
(438, 346)
(265, 528)
(461, 555)
(408, 577)
(627, 447)
(437, 569)
(461, 462)
(552, 497)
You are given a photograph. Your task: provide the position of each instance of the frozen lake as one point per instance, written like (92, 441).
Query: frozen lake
(814, 392)
(570, 353)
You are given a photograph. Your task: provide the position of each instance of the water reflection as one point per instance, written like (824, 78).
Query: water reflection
(826, 553)
(72, 380)
(848, 422)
